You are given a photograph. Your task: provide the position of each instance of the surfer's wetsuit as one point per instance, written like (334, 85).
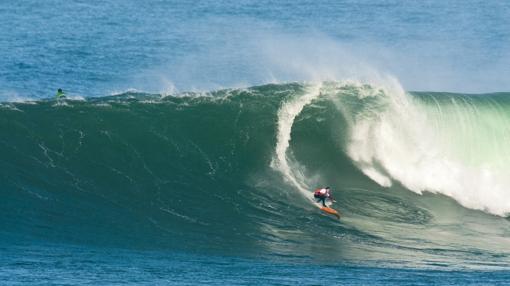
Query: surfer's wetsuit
(60, 94)
(322, 194)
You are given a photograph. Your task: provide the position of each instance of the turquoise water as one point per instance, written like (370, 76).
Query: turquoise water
(193, 135)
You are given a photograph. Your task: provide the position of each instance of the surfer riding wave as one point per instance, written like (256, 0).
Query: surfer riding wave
(322, 194)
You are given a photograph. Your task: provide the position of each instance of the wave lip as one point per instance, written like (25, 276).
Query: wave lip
(286, 116)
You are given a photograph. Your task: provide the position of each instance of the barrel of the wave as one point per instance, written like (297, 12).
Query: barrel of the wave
(323, 194)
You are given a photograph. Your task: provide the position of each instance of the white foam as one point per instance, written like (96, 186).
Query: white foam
(281, 160)
(15, 97)
(421, 150)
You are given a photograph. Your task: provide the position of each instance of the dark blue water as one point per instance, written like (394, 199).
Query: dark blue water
(74, 265)
(93, 48)
(94, 188)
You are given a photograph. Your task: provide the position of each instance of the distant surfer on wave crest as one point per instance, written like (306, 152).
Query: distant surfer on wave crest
(322, 194)
(60, 94)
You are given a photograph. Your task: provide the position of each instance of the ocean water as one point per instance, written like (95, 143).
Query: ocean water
(193, 135)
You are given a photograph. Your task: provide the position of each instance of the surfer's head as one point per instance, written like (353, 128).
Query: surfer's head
(327, 188)
(59, 90)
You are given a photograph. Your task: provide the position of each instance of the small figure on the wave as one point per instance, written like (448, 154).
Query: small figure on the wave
(322, 194)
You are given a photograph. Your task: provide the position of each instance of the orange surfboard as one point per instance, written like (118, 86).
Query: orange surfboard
(331, 211)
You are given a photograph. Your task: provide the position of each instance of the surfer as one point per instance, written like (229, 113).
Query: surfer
(60, 94)
(322, 194)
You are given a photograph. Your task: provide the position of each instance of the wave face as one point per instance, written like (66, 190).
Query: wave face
(232, 172)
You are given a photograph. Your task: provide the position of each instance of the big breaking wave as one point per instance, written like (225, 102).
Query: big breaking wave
(113, 169)
(427, 142)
